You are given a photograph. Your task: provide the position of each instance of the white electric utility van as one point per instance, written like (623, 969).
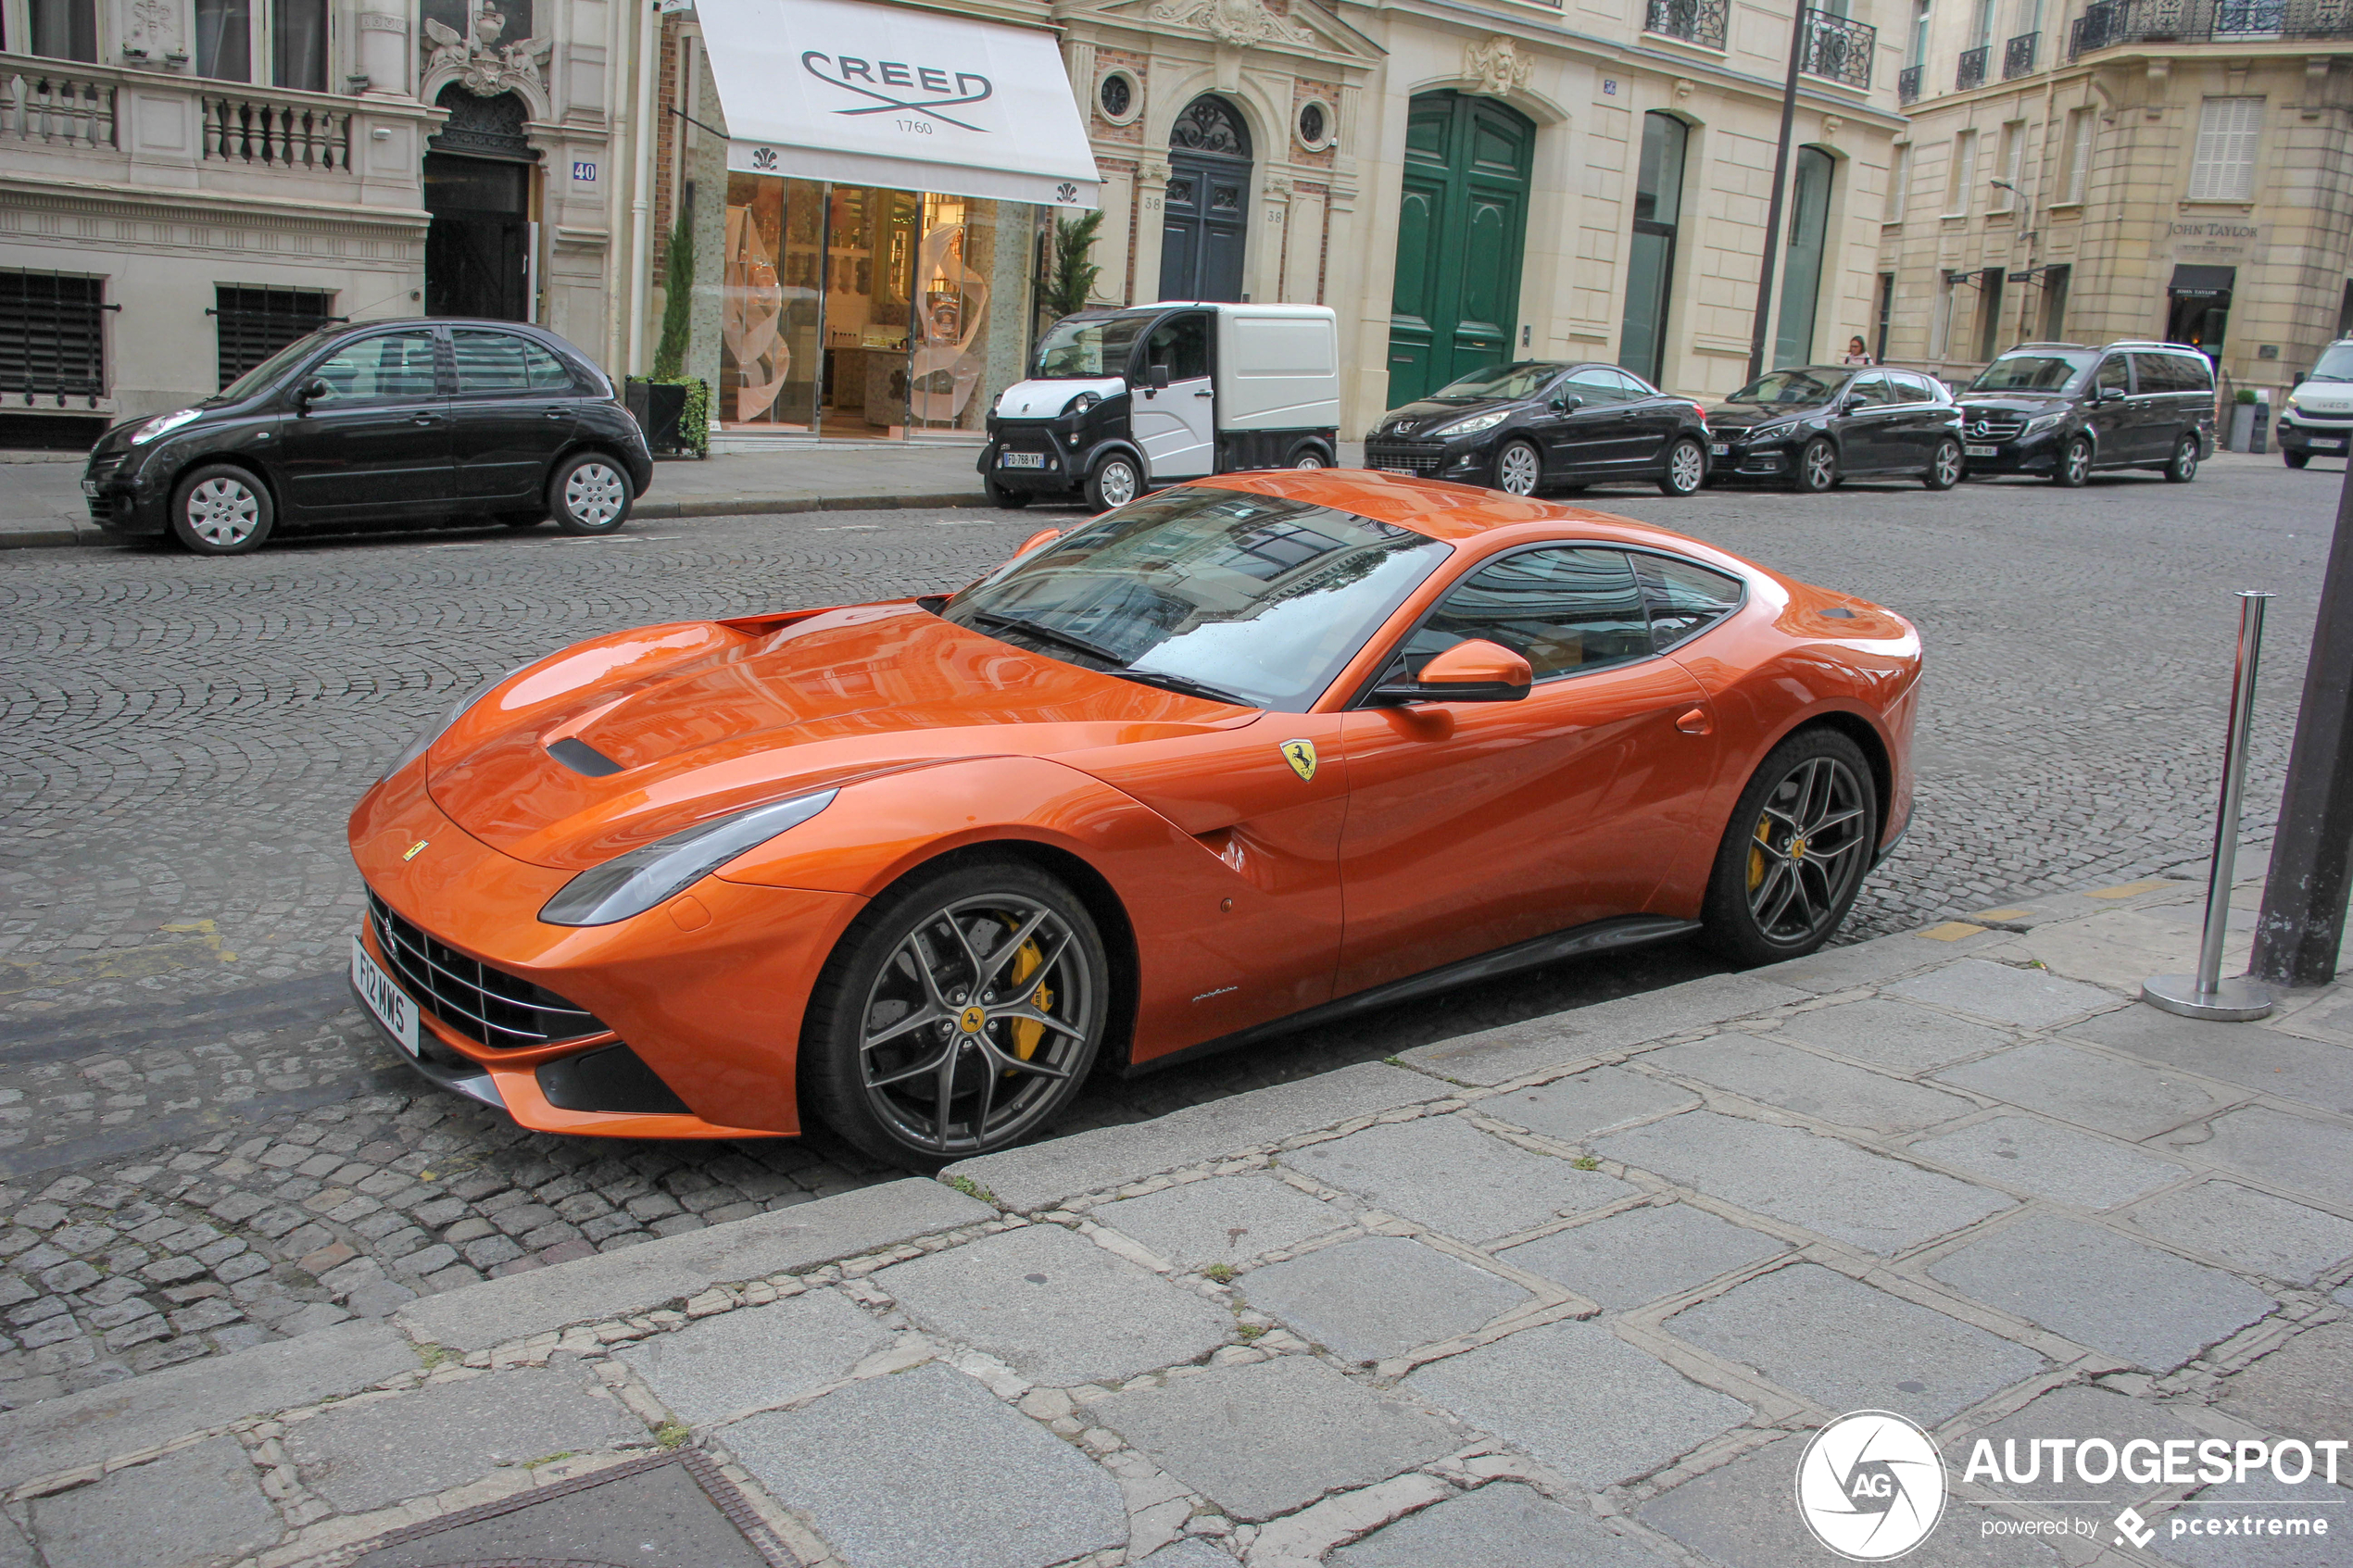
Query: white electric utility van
(1120, 401)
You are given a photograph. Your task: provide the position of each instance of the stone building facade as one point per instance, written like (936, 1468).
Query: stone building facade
(188, 184)
(2177, 169)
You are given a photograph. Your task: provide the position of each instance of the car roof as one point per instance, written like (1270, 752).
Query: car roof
(1452, 513)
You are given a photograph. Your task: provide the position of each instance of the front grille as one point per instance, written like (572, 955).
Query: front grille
(2320, 416)
(487, 1006)
(103, 465)
(1405, 456)
(1990, 427)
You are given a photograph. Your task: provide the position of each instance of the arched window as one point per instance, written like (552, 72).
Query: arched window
(1206, 211)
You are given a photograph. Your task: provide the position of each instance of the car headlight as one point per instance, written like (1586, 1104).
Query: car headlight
(1083, 402)
(434, 731)
(2041, 422)
(1476, 423)
(1767, 432)
(162, 424)
(632, 884)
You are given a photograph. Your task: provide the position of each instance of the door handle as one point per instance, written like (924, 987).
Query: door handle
(424, 419)
(552, 413)
(1695, 723)
(1204, 394)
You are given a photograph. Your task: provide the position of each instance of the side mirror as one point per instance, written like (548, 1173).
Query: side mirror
(1043, 536)
(312, 390)
(1156, 377)
(1567, 403)
(1476, 671)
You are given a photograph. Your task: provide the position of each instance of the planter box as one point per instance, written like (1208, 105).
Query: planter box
(660, 408)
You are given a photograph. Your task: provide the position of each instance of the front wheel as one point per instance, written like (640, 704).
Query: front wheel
(1686, 468)
(1007, 500)
(1794, 854)
(1818, 466)
(221, 510)
(960, 1013)
(1518, 467)
(2073, 470)
(1115, 483)
(1308, 454)
(2296, 459)
(1944, 468)
(589, 495)
(2182, 468)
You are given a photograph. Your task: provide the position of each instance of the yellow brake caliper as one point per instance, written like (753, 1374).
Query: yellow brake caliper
(1028, 1031)
(1757, 858)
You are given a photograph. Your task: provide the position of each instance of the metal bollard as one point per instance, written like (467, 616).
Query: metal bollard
(2206, 994)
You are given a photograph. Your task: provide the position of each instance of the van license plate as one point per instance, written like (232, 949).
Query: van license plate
(2335, 445)
(1983, 451)
(1021, 459)
(387, 1001)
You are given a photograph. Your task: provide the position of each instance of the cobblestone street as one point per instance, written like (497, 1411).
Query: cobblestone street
(202, 1143)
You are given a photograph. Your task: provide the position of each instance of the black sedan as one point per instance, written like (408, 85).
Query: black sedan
(1811, 426)
(1541, 425)
(375, 422)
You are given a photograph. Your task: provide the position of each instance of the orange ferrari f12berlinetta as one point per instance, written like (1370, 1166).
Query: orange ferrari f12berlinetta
(1247, 752)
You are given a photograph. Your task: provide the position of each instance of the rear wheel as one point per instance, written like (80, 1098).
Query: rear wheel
(1795, 852)
(1686, 468)
(221, 510)
(1944, 468)
(1518, 467)
(1309, 455)
(1115, 483)
(2182, 466)
(2296, 459)
(2073, 470)
(589, 495)
(1011, 500)
(1818, 466)
(960, 1012)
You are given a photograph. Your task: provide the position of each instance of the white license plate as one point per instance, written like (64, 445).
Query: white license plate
(89, 487)
(2335, 445)
(1021, 459)
(1719, 450)
(387, 1001)
(1982, 451)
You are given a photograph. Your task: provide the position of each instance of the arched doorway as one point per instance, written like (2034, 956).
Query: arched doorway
(478, 189)
(1460, 227)
(1207, 211)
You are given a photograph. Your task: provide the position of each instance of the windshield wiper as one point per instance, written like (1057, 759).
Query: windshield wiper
(1047, 634)
(1182, 683)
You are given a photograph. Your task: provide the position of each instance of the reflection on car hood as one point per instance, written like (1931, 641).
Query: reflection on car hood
(706, 718)
(1046, 399)
(1746, 415)
(1420, 418)
(2010, 402)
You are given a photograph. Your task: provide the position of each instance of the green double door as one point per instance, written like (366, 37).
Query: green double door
(1460, 229)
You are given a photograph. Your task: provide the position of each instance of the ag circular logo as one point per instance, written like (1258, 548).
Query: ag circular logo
(1870, 1485)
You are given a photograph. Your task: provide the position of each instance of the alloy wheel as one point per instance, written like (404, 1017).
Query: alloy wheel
(1115, 483)
(974, 1021)
(1515, 470)
(1947, 466)
(2185, 467)
(594, 495)
(1821, 466)
(1686, 468)
(1808, 850)
(223, 512)
(2075, 463)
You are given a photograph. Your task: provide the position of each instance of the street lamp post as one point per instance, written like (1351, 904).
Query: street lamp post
(1799, 28)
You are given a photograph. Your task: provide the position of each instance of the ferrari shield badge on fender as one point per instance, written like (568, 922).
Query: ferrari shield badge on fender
(1301, 755)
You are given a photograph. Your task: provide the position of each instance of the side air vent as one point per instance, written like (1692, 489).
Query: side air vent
(582, 757)
(613, 1078)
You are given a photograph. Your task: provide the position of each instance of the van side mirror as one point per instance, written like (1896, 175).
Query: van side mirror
(312, 390)
(1476, 671)
(1156, 377)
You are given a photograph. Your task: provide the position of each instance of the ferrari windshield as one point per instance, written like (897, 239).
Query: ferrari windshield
(1080, 347)
(2042, 370)
(1246, 598)
(1514, 381)
(1791, 387)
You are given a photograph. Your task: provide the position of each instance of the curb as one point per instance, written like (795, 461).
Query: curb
(649, 512)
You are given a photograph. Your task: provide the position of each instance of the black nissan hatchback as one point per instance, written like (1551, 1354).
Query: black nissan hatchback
(1543, 425)
(376, 422)
(1810, 426)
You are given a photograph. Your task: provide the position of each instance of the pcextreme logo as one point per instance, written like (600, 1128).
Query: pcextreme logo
(1870, 1485)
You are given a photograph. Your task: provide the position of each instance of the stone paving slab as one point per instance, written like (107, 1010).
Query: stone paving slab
(1449, 1176)
(1059, 1309)
(2051, 1161)
(1845, 1346)
(2149, 1308)
(2001, 994)
(1029, 1179)
(1574, 1109)
(1503, 1525)
(2250, 1230)
(194, 1506)
(1381, 1297)
(1580, 1399)
(1642, 1254)
(2266, 1059)
(2090, 1089)
(1225, 1220)
(1775, 1073)
(757, 1356)
(1893, 1036)
(2291, 1152)
(1802, 1178)
(929, 1467)
(1267, 1438)
(1497, 1056)
(2078, 1412)
(2304, 1385)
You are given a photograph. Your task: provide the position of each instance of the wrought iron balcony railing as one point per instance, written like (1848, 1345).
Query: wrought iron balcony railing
(1972, 72)
(1836, 49)
(1907, 86)
(2106, 23)
(1694, 21)
(2018, 54)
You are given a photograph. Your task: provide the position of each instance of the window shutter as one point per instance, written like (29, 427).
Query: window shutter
(2228, 130)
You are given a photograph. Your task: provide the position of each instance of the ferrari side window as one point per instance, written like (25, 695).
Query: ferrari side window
(1565, 611)
(1683, 599)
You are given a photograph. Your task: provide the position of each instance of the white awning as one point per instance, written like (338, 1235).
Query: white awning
(915, 100)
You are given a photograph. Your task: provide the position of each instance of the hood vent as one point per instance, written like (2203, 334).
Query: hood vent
(582, 757)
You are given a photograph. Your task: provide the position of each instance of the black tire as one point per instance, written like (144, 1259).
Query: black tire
(1774, 894)
(221, 510)
(590, 494)
(1817, 467)
(522, 520)
(1944, 467)
(1685, 468)
(2296, 459)
(2071, 469)
(1115, 482)
(1309, 454)
(2182, 466)
(874, 973)
(1519, 468)
(1010, 500)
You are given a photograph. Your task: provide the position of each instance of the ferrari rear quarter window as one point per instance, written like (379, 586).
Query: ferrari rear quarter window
(1683, 599)
(1565, 611)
